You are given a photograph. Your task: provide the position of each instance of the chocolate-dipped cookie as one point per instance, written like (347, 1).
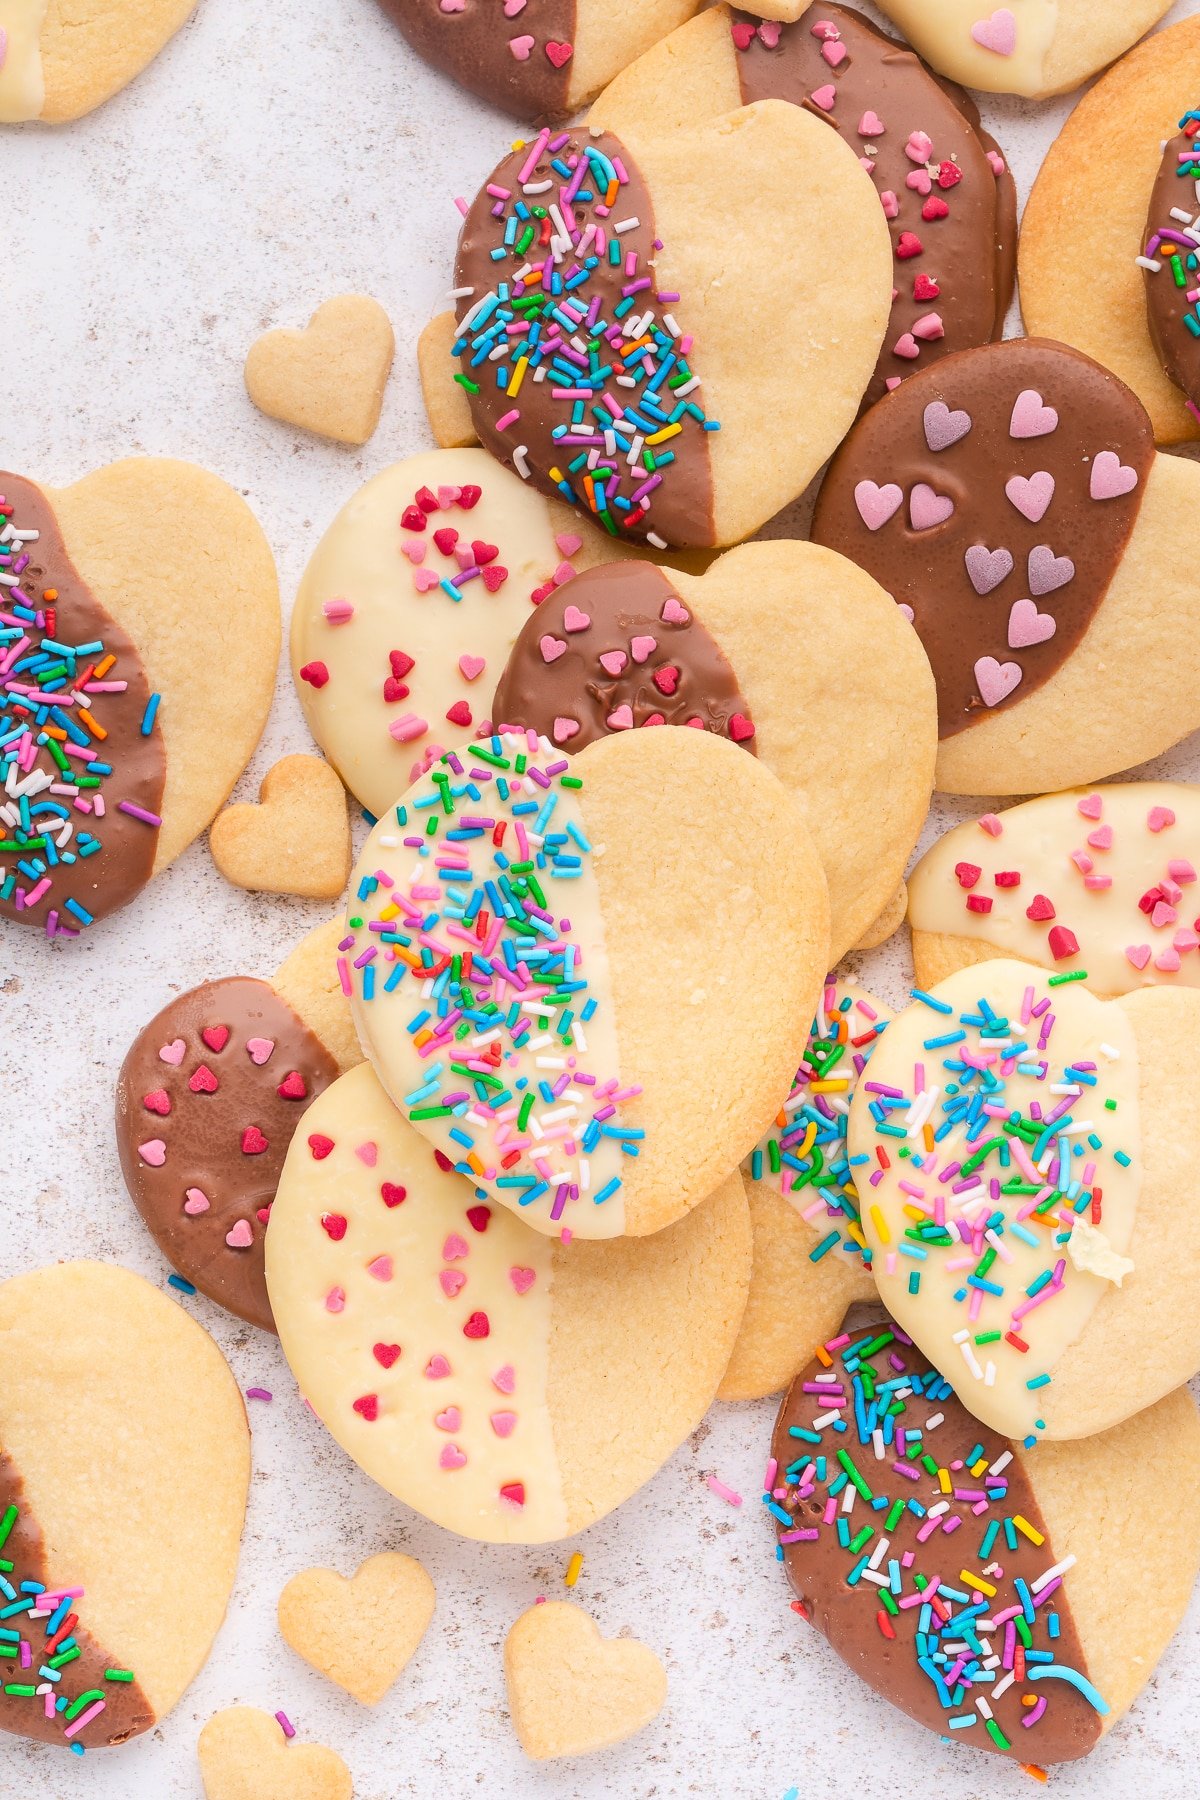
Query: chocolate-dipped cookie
(1010, 499)
(944, 185)
(1001, 1598)
(1170, 261)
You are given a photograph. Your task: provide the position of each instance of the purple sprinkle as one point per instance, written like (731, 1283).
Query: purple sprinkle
(285, 1725)
(259, 1394)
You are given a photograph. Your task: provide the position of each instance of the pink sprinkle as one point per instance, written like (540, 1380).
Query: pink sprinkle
(510, 418)
(991, 824)
(337, 612)
(285, 1725)
(722, 1492)
(259, 1394)
(407, 727)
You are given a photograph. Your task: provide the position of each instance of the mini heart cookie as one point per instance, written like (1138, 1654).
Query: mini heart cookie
(244, 1755)
(570, 1690)
(329, 376)
(58, 63)
(363, 1631)
(294, 840)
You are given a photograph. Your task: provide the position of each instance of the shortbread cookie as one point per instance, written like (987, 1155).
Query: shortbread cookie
(570, 1690)
(60, 59)
(549, 960)
(124, 1469)
(1169, 261)
(128, 603)
(1080, 279)
(888, 922)
(359, 1632)
(1033, 47)
(294, 840)
(1031, 1149)
(1011, 499)
(490, 1377)
(945, 187)
(810, 1255)
(328, 377)
(208, 1098)
(244, 1755)
(535, 59)
(752, 651)
(1102, 881)
(1011, 1602)
(605, 353)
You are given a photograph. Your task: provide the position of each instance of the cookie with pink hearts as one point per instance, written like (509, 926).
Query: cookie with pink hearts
(1033, 47)
(1012, 502)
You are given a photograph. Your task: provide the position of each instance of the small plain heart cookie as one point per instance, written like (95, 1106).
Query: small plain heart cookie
(134, 576)
(452, 1352)
(674, 435)
(570, 1690)
(294, 840)
(363, 1631)
(329, 376)
(125, 1513)
(208, 1098)
(61, 59)
(1033, 47)
(244, 1755)
(622, 932)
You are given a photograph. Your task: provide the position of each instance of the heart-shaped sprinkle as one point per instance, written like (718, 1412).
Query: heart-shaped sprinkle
(834, 53)
(522, 1279)
(173, 1053)
(908, 245)
(1101, 838)
(824, 97)
(195, 1202)
(203, 1081)
(452, 6)
(559, 54)
(520, 47)
(929, 328)
(292, 1086)
(1111, 477)
(154, 1152)
(920, 180)
(215, 1037)
(240, 1236)
(1039, 909)
(1031, 417)
(1159, 817)
(472, 666)
(446, 539)
(477, 1326)
(416, 549)
(674, 613)
(253, 1141)
(259, 1050)
(367, 1406)
(986, 568)
(565, 729)
(889, 203)
(1026, 626)
(943, 427)
(927, 508)
(513, 7)
(392, 1194)
(503, 1423)
(1138, 955)
(505, 1379)
(996, 680)
(876, 505)
(385, 1354)
(453, 1282)
(551, 648)
(740, 728)
(459, 713)
(1047, 571)
(380, 1269)
(449, 1419)
(613, 661)
(452, 1457)
(925, 288)
(666, 679)
(479, 1217)
(513, 1492)
(574, 620)
(871, 125)
(1090, 807)
(1031, 495)
(455, 1248)
(335, 1226)
(367, 1154)
(157, 1101)
(621, 719)
(997, 33)
(437, 1368)
(335, 1300)
(567, 543)
(907, 346)
(320, 1145)
(643, 647)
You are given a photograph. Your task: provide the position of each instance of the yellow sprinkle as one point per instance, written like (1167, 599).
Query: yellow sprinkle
(880, 1224)
(556, 474)
(1023, 1525)
(573, 1568)
(668, 431)
(979, 1467)
(855, 1232)
(915, 1213)
(809, 1139)
(518, 376)
(944, 1481)
(976, 1581)
(390, 911)
(829, 1087)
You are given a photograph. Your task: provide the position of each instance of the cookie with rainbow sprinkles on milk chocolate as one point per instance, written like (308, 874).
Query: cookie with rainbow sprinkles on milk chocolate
(551, 966)
(1011, 501)
(604, 360)
(1012, 1603)
(1170, 261)
(1026, 1155)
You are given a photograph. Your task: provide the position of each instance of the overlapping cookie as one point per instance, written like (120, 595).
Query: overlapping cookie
(492, 1378)
(1034, 47)
(607, 359)
(1085, 277)
(208, 1099)
(945, 187)
(1014, 1603)
(550, 959)
(116, 594)
(1025, 1152)
(1103, 882)
(124, 1470)
(58, 62)
(752, 651)
(1012, 501)
(811, 1259)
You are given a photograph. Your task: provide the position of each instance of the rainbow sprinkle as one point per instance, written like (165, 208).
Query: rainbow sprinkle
(1174, 248)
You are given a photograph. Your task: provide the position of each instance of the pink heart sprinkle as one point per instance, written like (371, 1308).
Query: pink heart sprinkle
(987, 568)
(997, 33)
(1167, 961)
(996, 680)
(876, 505)
(613, 661)
(674, 613)
(907, 346)
(565, 572)
(368, 1154)
(195, 1201)
(504, 1380)
(559, 54)
(890, 204)
(380, 1268)
(919, 147)
(472, 666)
(929, 327)
(1090, 807)
(567, 542)
(943, 427)
(769, 31)
(448, 495)
(642, 647)
(1047, 571)
(415, 549)
(1030, 417)
(522, 1279)
(1111, 477)
(927, 508)
(452, 6)
(824, 97)
(452, 1457)
(833, 53)
(871, 125)
(520, 47)
(240, 1236)
(437, 1368)
(1101, 838)
(453, 1282)
(1031, 496)
(1159, 817)
(173, 1053)
(154, 1152)
(503, 1423)
(335, 1300)
(574, 620)
(1026, 625)
(551, 648)
(513, 7)
(565, 729)
(621, 719)
(158, 1102)
(449, 1420)
(424, 580)
(920, 180)
(259, 1050)
(455, 1248)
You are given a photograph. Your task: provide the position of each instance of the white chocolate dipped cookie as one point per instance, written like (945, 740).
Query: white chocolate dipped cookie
(1026, 1155)
(488, 1376)
(60, 59)
(1033, 47)
(1102, 881)
(557, 965)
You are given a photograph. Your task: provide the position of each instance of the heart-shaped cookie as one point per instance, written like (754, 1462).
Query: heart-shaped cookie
(135, 1568)
(294, 840)
(244, 1755)
(139, 570)
(329, 376)
(359, 1632)
(570, 1690)
(480, 1401)
(62, 61)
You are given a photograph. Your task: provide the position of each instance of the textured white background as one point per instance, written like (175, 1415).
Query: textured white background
(276, 154)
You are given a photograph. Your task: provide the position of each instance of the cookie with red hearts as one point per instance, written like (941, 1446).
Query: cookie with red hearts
(1011, 501)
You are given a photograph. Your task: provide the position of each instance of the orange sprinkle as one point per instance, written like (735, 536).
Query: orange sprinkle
(1032, 1769)
(97, 730)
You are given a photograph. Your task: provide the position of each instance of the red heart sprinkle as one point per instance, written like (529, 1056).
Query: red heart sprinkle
(479, 1216)
(979, 903)
(742, 34)
(159, 1101)
(459, 713)
(559, 54)
(1063, 943)
(477, 1326)
(654, 719)
(1007, 878)
(666, 680)
(368, 1406)
(427, 501)
(468, 497)
(513, 1492)
(494, 576)
(968, 874)
(292, 1086)
(393, 1195)
(315, 673)
(934, 208)
(401, 663)
(253, 1141)
(215, 1036)
(1040, 908)
(203, 1081)
(925, 288)
(394, 690)
(320, 1146)
(442, 1161)
(412, 519)
(741, 728)
(335, 1225)
(484, 553)
(541, 593)
(1150, 899)
(949, 175)
(386, 1354)
(263, 1215)
(445, 537)
(908, 244)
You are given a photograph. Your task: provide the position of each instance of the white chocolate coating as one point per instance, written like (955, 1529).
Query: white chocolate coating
(22, 88)
(942, 30)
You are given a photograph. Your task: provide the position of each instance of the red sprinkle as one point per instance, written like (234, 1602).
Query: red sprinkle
(292, 1086)
(513, 1492)
(459, 713)
(477, 1326)
(741, 728)
(1008, 878)
(1063, 943)
(393, 1195)
(315, 673)
(334, 1225)
(368, 1406)
(253, 1141)
(203, 1081)
(968, 874)
(320, 1146)
(908, 244)
(386, 1354)
(1040, 908)
(979, 903)
(479, 1217)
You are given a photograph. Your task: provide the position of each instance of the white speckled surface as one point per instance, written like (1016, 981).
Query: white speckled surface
(276, 154)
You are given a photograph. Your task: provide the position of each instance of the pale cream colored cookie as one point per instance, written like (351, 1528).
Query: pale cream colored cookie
(329, 376)
(244, 1755)
(62, 58)
(1080, 281)
(294, 840)
(1034, 47)
(696, 926)
(570, 1690)
(359, 1631)
(888, 922)
(455, 1354)
(124, 1469)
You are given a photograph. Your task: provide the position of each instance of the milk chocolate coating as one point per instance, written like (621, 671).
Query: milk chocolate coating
(472, 46)
(1166, 304)
(850, 1616)
(624, 602)
(969, 256)
(204, 1132)
(110, 877)
(681, 507)
(926, 569)
(23, 1558)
